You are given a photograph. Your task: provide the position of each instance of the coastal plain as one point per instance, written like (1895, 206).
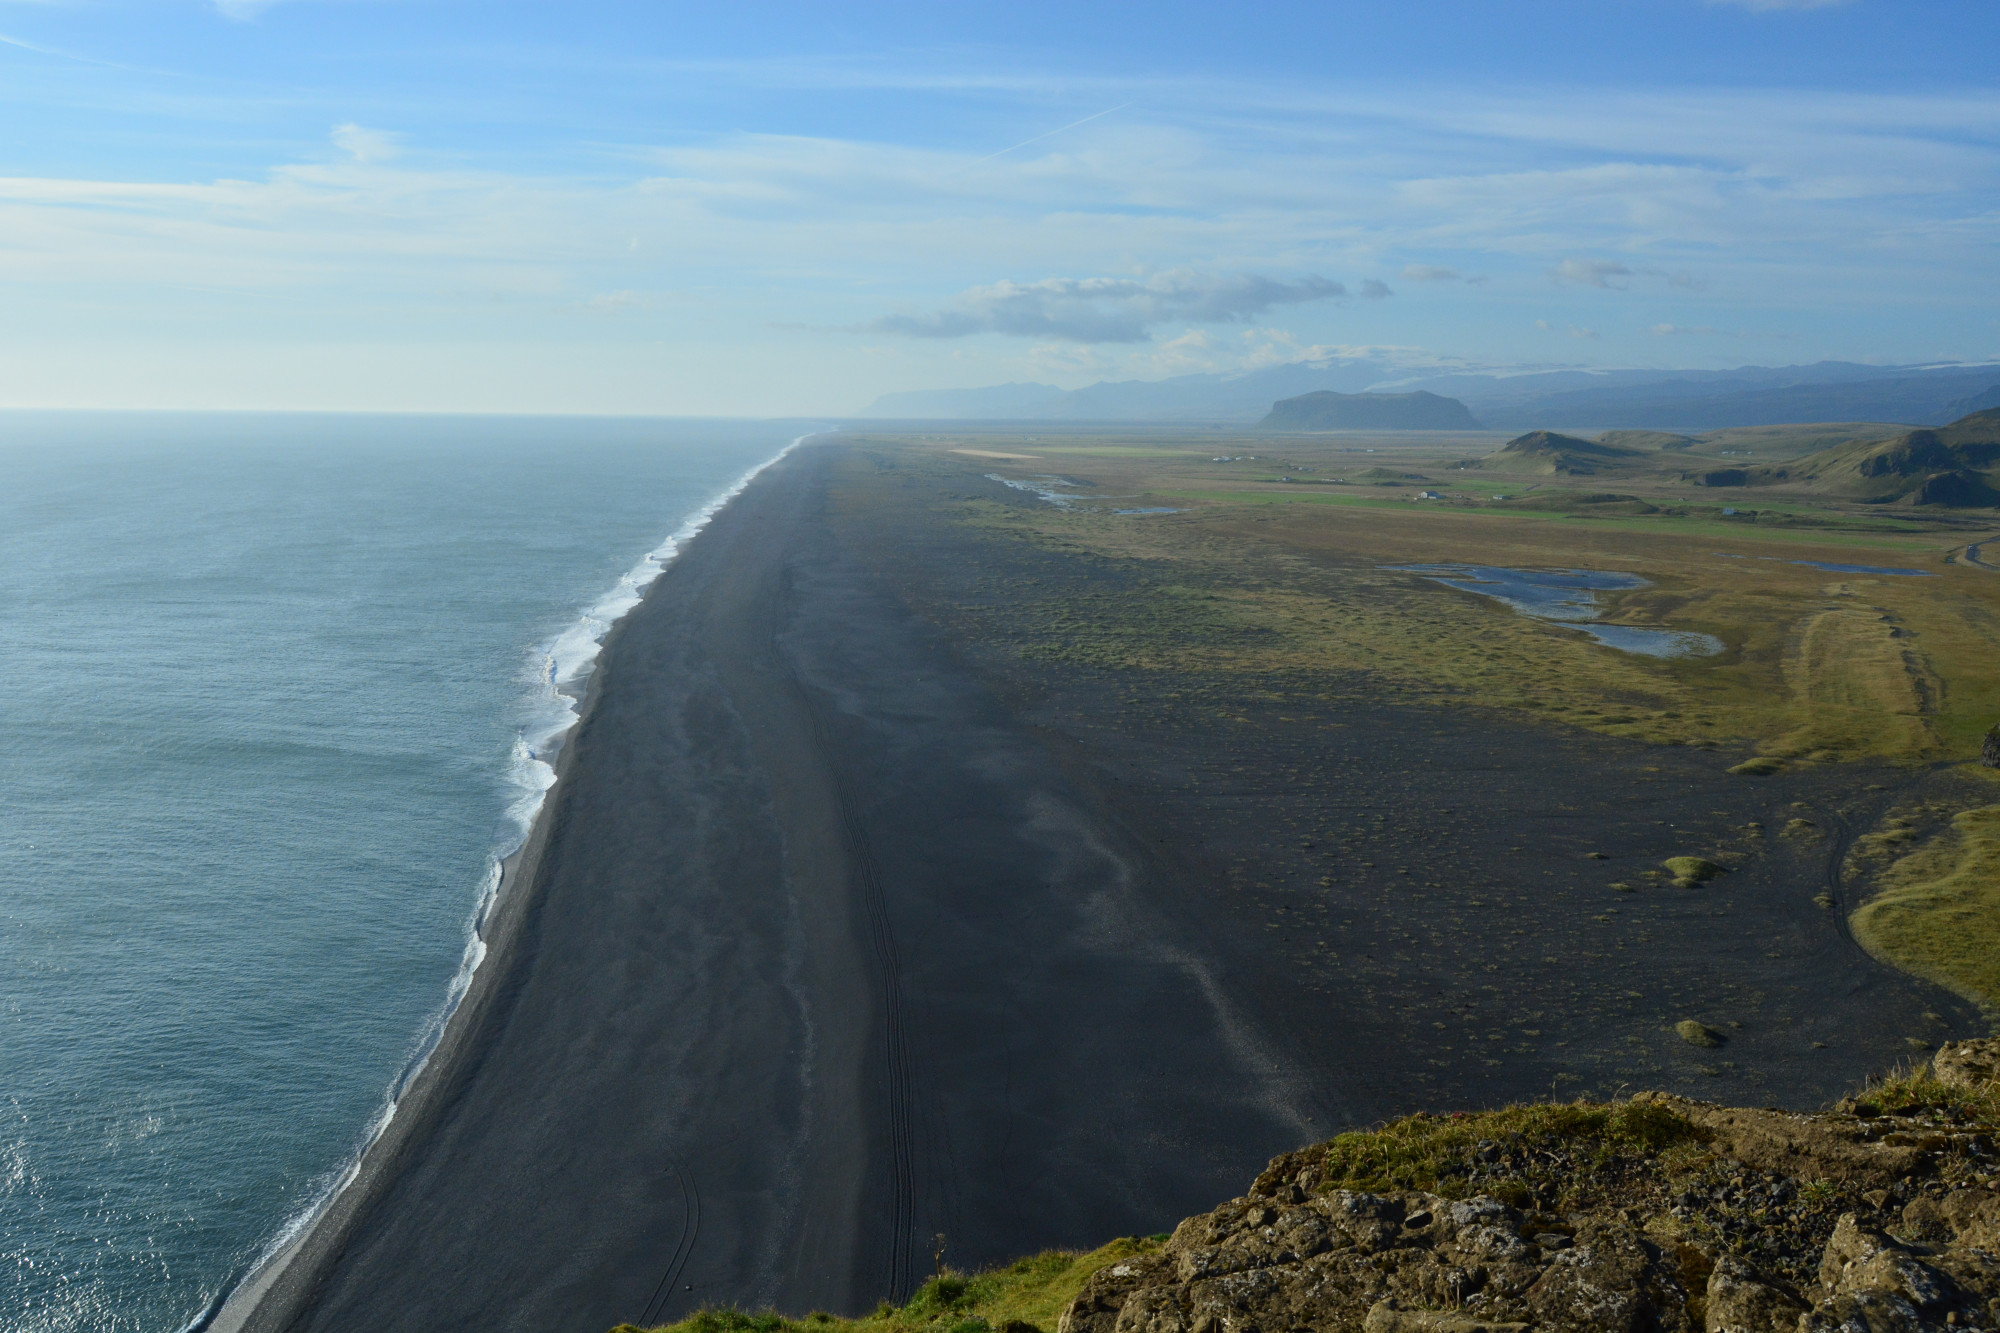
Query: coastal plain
(986, 841)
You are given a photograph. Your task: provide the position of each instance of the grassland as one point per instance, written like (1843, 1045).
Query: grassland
(1274, 562)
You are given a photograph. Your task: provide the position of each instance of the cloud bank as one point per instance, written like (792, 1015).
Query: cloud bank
(1112, 310)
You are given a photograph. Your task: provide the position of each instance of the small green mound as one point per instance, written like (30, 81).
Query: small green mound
(1760, 766)
(1698, 1034)
(1688, 871)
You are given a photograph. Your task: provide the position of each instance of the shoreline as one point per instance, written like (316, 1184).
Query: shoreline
(495, 925)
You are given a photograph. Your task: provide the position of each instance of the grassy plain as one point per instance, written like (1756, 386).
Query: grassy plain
(1276, 559)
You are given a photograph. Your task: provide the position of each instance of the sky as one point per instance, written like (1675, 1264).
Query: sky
(776, 210)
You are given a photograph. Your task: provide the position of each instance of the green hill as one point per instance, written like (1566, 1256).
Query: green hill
(1950, 467)
(1647, 439)
(1546, 452)
(1326, 410)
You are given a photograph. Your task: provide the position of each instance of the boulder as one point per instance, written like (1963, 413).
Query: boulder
(1740, 1302)
(1968, 1063)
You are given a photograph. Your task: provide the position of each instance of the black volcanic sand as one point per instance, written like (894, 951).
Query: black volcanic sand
(817, 955)
(844, 930)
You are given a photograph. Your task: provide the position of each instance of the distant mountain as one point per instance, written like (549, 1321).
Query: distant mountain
(1565, 455)
(1230, 398)
(1755, 396)
(1953, 467)
(1679, 401)
(1978, 402)
(1327, 410)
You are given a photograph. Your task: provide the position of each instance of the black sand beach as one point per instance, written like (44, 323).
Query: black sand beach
(832, 943)
(816, 947)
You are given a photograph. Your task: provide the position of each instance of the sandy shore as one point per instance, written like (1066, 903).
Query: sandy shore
(815, 957)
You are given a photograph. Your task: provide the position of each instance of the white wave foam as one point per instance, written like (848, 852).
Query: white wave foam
(558, 669)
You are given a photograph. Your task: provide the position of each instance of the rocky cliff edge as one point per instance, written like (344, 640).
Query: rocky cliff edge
(1657, 1214)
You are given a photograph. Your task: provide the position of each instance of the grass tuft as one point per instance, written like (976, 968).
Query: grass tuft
(1916, 1087)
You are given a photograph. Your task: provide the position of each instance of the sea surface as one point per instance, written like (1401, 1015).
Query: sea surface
(279, 692)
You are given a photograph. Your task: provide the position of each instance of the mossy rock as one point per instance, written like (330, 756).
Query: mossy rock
(1762, 765)
(1688, 871)
(1989, 753)
(1698, 1034)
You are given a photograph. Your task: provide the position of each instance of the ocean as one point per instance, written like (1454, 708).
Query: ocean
(280, 690)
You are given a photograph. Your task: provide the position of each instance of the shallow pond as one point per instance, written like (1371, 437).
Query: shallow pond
(1568, 597)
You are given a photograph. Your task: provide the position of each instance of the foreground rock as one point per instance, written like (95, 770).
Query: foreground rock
(1656, 1214)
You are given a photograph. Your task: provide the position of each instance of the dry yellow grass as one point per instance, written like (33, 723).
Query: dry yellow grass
(1858, 689)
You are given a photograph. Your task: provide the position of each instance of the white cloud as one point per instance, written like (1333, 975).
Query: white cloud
(1109, 310)
(365, 145)
(1374, 290)
(1592, 273)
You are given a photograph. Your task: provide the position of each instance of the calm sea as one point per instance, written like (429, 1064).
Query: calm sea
(277, 691)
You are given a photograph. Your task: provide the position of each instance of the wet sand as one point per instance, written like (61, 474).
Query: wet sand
(815, 957)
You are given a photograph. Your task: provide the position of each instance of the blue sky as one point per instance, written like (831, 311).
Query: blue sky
(780, 209)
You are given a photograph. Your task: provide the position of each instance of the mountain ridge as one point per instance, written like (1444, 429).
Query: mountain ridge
(1673, 400)
(1324, 409)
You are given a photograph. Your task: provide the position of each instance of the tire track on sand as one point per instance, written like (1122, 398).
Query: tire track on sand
(656, 1308)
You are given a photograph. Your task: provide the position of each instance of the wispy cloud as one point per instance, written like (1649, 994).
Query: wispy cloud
(1429, 273)
(1593, 273)
(1109, 310)
(365, 145)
